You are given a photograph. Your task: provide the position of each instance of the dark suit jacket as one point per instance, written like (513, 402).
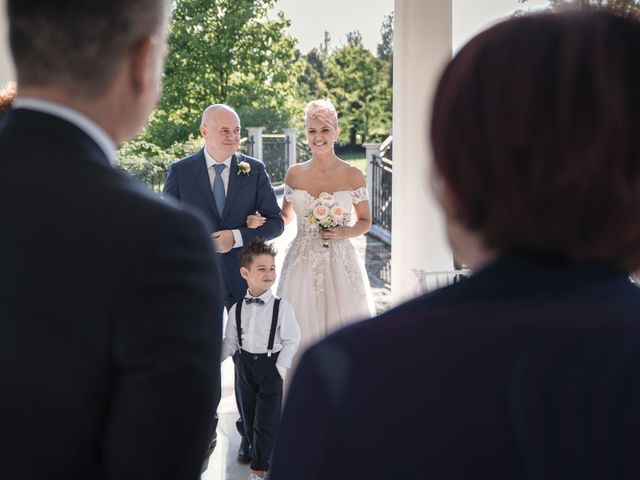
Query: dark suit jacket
(110, 324)
(188, 181)
(528, 370)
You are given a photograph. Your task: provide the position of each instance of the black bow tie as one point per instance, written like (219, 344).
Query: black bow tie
(250, 300)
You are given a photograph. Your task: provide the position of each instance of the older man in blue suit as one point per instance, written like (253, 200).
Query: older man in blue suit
(227, 186)
(244, 189)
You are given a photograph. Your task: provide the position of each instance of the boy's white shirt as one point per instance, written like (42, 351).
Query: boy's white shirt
(256, 325)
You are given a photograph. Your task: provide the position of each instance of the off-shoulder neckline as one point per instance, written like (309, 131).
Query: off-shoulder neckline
(316, 197)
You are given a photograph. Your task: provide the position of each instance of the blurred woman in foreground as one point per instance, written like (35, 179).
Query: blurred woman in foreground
(530, 369)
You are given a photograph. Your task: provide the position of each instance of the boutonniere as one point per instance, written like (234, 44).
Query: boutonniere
(244, 168)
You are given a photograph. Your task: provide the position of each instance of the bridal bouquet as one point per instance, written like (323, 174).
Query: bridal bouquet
(326, 213)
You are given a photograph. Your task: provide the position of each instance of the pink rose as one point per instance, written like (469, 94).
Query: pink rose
(321, 212)
(337, 213)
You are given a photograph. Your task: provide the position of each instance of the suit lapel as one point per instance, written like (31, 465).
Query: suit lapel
(199, 169)
(234, 184)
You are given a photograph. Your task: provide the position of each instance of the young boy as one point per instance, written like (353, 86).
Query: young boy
(263, 336)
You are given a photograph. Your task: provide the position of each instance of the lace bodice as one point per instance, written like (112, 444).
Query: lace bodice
(327, 287)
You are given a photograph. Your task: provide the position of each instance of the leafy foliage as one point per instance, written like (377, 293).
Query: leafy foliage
(385, 47)
(359, 84)
(226, 51)
(149, 162)
(230, 51)
(355, 80)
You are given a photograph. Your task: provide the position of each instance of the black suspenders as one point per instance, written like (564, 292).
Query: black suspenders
(274, 324)
(238, 322)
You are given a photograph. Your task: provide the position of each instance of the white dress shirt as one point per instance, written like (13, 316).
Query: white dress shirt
(237, 236)
(84, 123)
(256, 326)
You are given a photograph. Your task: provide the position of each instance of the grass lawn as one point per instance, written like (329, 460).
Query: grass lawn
(356, 159)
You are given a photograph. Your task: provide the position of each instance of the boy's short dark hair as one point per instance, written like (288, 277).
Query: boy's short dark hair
(257, 247)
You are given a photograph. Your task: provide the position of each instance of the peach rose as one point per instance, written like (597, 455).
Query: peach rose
(337, 213)
(321, 212)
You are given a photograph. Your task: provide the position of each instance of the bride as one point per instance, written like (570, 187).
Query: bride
(322, 276)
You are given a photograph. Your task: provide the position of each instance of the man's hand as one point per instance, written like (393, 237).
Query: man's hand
(223, 240)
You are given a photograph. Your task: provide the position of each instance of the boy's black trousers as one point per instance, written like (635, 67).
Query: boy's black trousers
(259, 388)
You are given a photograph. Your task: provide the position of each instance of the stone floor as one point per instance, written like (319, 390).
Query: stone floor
(377, 258)
(223, 464)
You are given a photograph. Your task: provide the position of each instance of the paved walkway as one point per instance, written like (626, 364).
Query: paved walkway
(223, 464)
(377, 258)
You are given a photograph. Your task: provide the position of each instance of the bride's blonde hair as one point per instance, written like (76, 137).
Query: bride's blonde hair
(323, 110)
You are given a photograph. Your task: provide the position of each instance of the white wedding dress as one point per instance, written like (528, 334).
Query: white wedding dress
(328, 287)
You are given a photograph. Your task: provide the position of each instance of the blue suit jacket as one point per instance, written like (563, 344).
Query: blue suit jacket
(530, 369)
(188, 181)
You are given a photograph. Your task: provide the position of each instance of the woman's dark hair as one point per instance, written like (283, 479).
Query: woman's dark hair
(536, 133)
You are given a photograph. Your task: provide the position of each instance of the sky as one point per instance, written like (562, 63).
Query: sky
(471, 16)
(310, 19)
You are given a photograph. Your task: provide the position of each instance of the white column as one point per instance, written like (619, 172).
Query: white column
(371, 149)
(422, 45)
(6, 64)
(256, 133)
(291, 134)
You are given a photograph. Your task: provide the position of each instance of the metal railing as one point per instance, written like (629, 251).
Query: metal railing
(386, 148)
(275, 155)
(382, 173)
(246, 145)
(303, 151)
(430, 281)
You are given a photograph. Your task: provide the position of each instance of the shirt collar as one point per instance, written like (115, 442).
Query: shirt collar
(265, 297)
(211, 161)
(84, 123)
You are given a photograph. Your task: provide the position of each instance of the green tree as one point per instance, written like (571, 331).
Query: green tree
(354, 38)
(385, 47)
(226, 51)
(312, 80)
(356, 83)
(385, 56)
(311, 83)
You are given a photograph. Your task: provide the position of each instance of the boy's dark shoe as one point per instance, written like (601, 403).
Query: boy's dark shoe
(244, 452)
